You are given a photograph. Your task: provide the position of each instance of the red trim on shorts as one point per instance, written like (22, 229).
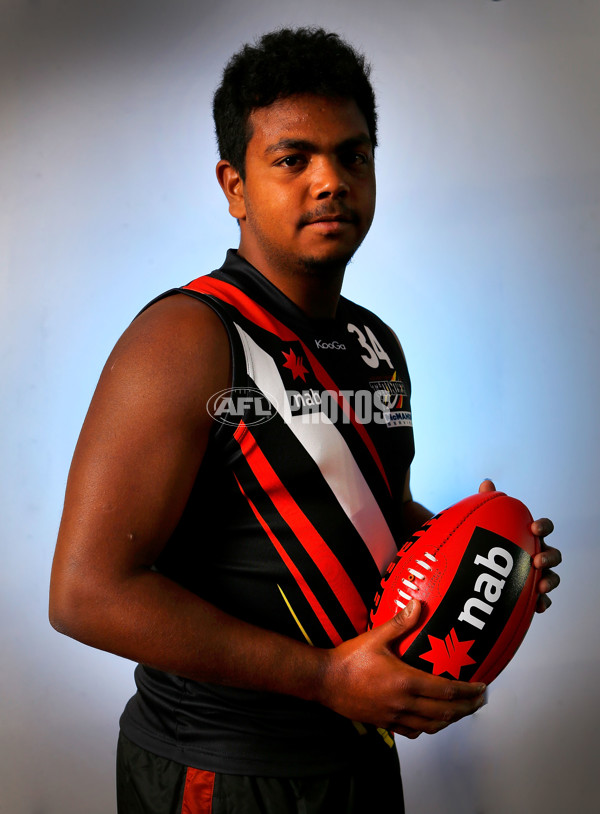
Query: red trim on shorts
(198, 791)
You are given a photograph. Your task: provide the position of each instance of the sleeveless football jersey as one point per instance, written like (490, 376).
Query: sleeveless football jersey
(294, 516)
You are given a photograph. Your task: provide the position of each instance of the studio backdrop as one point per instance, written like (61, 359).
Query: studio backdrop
(484, 258)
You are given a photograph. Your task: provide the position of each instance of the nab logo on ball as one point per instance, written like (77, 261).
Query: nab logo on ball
(492, 586)
(471, 568)
(448, 655)
(472, 605)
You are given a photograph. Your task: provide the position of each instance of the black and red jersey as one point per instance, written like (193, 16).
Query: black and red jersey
(295, 514)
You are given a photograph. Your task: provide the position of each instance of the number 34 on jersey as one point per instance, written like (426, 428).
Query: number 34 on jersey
(374, 354)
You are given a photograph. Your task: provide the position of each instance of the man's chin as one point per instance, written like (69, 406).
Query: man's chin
(326, 264)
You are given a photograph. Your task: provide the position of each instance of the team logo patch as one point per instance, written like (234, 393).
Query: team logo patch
(391, 392)
(392, 397)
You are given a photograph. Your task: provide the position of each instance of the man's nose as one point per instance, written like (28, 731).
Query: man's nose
(328, 180)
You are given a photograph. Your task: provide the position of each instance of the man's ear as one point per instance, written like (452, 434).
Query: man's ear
(232, 185)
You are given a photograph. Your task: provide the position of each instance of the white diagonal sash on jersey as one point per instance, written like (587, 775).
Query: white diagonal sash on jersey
(337, 466)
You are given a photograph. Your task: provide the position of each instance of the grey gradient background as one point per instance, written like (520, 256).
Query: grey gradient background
(483, 257)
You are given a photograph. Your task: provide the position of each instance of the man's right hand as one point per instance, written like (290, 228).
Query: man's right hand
(366, 681)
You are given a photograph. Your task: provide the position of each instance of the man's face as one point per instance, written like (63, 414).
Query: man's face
(309, 191)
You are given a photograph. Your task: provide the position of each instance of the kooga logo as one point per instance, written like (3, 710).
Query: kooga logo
(334, 345)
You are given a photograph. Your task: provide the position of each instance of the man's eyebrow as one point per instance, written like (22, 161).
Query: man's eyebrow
(303, 145)
(291, 144)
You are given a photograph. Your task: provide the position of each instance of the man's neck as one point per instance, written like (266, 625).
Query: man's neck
(315, 291)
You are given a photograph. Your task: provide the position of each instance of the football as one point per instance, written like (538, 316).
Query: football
(471, 568)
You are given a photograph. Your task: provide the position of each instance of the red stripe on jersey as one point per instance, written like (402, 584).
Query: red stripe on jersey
(245, 305)
(315, 546)
(261, 317)
(198, 791)
(302, 584)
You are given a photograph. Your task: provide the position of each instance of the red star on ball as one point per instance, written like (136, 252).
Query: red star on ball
(448, 655)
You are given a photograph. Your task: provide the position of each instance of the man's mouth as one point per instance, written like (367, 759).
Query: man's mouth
(329, 217)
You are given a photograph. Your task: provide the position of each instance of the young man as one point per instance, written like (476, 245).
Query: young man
(234, 551)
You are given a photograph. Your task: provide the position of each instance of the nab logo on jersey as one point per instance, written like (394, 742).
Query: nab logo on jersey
(295, 364)
(305, 401)
(295, 367)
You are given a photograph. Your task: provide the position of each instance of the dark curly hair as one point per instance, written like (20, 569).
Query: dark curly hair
(280, 64)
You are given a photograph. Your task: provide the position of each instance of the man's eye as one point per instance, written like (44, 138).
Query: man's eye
(355, 159)
(291, 161)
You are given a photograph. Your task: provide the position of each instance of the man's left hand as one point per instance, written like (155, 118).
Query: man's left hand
(547, 558)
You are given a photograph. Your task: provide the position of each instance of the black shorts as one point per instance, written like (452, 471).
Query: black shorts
(148, 784)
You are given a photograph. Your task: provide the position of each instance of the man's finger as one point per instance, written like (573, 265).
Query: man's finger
(542, 527)
(401, 623)
(547, 558)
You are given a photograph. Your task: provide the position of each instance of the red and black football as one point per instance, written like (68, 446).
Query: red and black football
(471, 568)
